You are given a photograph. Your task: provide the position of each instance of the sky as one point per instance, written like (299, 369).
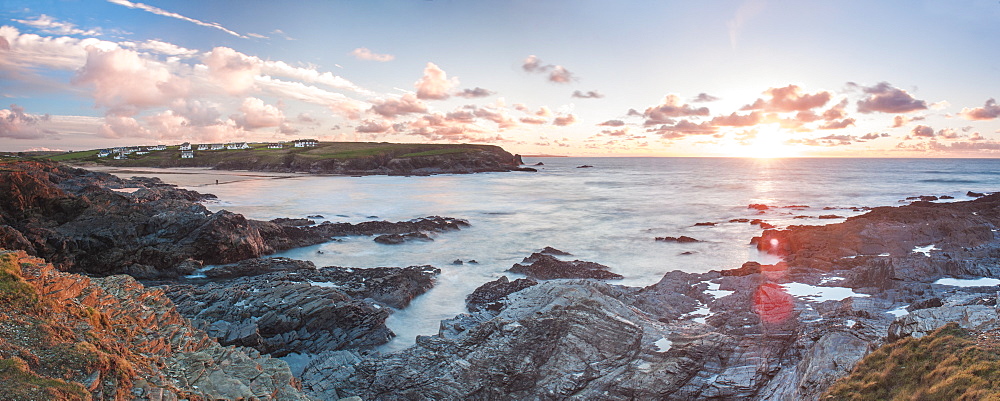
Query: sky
(746, 78)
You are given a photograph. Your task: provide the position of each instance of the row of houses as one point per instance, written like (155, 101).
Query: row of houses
(187, 149)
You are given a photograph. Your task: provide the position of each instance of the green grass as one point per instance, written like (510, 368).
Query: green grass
(435, 152)
(946, 365)
(18, 382)
(74, 156)
(15, 293)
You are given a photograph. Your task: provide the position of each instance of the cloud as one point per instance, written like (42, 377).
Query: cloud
(309, 74)
(16, 124)
(563, 121)
(873, 135)
(233, 71)
(989, 111)
(748, 10)
(362, 53)
(847, 122)
(683, 128)
(736, 120)
(885, 98)
(587, 95)
(162, 12)
(336, 102)
(127, 83)
(790, 99)
(543, 112)
(533, 120)
(672, 106)
(434, 85)
(48, 24)
(922, 131)
(373, 127)
(557, 73)
(159, 47)
(116, 126)
(256, 114)
(612, 123)
(703, 98)
(403, 105)
(474, 93)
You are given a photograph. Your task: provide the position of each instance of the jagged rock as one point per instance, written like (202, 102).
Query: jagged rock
(923, 321)
(553, 251)
(540, 266)
(975, 194)
(395, 239)
(253, 267)
(746, 269)
(681, 239)
(457, 262)
(492, 296)
(282, 221)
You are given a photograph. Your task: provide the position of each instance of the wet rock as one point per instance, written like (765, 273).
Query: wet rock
(525, 169)
(746, 269)
(681, 239)
(540, 266)
(253, 267)
(584, 166)
(457, 262)
(741, 220)
(293, 222)
(758, 206)
(923, 198)
(553, 251)
(830, 216)
(975, 194)
(492, 296)
(704, 224)
(538, 164)
(395, 239)
(315, 216)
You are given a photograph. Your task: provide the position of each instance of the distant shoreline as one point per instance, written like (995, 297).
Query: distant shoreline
(193, 176)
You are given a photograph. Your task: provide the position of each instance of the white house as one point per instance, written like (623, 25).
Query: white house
(274, 146)
(104, 153)
(142, 152)
(218, 146)
(204, 146)
(121, 156)
(187, 154)
(184, 146)
(237, 145)
(304, 143)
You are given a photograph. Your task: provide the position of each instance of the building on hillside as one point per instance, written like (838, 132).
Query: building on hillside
(141, 152)
(156, 148)
(104, 153)
(237, 145)
(274, 146)
(185, 146)
(121, 156)
(187, 154)
(304, 143)
(217, 146)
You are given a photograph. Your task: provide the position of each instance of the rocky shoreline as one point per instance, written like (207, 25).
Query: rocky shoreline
(760, 332)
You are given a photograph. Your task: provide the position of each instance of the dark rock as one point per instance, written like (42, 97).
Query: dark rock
(425, 224)
(473, 262)
(540, 266)
(758, 206)
(747, 269)
(584, 166)
(946, 197)
(553, 251)
(923, 198)
(975, 194)
(539, 164)
(492, 296)
(457, 262)
(763, 224)
(316, 216)
(796, 207)
(830, 216)
(739, 220)
(253, 267)
(293, 222)
(524, 169)
(395, 239)
(925, 303)
(704, 224)
(681, 239)
(517, 161)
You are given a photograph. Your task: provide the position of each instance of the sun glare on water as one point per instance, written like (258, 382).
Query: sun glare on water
(770, 142)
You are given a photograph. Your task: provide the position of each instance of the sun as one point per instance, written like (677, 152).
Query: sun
(768, 141)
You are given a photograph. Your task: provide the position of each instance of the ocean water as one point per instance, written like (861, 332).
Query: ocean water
(609, 214)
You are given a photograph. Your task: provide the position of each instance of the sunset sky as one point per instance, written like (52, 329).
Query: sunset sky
(756, 78)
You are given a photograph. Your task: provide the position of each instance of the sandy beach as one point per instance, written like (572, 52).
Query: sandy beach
(192, 176)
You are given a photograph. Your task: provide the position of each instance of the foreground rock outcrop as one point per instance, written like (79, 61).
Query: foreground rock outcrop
(295, 307)
(761, 332)
(66, 336)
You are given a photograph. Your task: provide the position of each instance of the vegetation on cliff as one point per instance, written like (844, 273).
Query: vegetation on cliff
(949, 364)
(326, 157)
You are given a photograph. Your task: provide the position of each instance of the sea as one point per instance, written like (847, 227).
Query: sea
(608, 213)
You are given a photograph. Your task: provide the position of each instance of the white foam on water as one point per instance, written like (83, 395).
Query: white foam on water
(926, 250)
(975, 282)
(820, 294)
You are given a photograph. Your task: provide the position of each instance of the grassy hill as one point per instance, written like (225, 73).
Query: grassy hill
(327, 157)
(949, 364)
